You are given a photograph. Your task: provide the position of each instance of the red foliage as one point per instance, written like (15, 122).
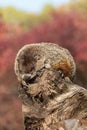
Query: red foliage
(10, 110)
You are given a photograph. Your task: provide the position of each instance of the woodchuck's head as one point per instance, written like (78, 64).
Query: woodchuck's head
(33, 58)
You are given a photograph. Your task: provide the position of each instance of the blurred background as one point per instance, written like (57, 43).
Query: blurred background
(23, 22)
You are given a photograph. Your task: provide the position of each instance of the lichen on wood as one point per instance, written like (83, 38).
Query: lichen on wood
(45, 72)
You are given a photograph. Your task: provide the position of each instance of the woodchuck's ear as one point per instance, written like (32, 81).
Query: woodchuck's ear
(33, 57)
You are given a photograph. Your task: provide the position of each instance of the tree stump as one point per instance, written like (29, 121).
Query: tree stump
(49, 97)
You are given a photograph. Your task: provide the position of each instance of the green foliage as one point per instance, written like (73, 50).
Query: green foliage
(47, 9)
(45, 15)
(16, 17)
(27, 20)
(79, 5)
(12, 15)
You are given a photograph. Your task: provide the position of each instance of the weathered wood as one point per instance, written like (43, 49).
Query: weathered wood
(49, 96)
(71, 124)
